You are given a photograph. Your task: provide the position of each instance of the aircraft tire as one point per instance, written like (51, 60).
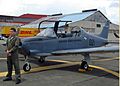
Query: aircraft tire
(84, 65)
(26, 67)
(42, 59)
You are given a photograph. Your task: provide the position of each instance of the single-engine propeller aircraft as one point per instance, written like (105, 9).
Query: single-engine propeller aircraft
(49, 42)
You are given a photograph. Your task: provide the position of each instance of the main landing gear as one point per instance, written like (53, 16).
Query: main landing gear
(85, 63)
(42, 59)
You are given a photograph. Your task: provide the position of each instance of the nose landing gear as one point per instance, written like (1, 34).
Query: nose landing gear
(27, 67)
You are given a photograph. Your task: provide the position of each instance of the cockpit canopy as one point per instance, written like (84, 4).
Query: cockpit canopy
(48, 32)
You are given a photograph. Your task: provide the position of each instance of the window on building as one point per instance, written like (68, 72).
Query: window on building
(98, 25)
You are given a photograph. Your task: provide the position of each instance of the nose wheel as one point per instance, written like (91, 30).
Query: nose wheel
(27, 67)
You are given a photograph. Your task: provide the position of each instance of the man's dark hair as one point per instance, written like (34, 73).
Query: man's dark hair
(13, 29)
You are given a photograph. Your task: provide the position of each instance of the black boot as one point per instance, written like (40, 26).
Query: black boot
(18, 81)
(7, 79)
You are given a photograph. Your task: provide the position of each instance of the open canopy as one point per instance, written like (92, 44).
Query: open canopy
(49, 32)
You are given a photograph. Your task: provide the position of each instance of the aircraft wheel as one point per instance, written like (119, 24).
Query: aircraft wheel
(26, 67)
(84, 65)
(42, 59)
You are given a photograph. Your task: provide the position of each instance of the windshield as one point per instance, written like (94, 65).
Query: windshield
(49, 32)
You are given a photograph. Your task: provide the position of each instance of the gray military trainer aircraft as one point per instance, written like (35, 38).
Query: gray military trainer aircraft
(49, 42)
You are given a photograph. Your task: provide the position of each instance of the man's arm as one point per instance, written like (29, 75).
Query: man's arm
(17, 41)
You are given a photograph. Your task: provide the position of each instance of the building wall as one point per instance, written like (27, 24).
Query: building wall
(14, 21)
(97, 17)
(27, 20)
(9, 24)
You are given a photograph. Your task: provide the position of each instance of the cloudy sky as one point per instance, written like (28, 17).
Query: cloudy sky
(110, 8)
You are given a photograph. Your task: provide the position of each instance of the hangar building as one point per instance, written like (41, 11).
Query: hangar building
(18, 20)
(91, 20)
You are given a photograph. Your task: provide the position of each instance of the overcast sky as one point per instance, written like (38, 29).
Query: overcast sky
(110, 8)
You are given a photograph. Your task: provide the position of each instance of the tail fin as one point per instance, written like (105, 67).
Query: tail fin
(105, 31)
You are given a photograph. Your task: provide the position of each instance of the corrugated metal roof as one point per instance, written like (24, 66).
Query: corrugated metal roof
(68, 17)
(77, 16)
(35, 16)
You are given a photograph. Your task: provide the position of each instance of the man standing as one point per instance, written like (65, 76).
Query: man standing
(12, 56)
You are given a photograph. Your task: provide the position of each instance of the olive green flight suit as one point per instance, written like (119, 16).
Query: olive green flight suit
(13, 60)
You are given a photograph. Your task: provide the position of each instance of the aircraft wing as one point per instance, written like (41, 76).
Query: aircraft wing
(88, 50)
(35, 53)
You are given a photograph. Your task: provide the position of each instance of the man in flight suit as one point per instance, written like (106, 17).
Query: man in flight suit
(12, 56)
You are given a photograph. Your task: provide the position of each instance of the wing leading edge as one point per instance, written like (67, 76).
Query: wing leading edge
(88, 50)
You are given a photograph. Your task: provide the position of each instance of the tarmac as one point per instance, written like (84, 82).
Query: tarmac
(64, 71)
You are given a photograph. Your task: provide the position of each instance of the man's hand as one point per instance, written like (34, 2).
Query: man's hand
(8, 53)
